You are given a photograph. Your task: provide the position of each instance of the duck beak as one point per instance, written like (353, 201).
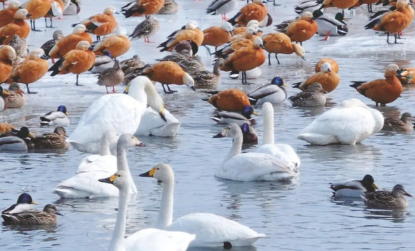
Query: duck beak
(5, 93)
(149, 173)
(67, 113)
(285, 85)
(44, 57)
(34, 202)
(138, 142)
(374, 186)
(303, 58)
(255, 113)
(20, 91)
(58, 213)
(219, 135)
(193, 88)
(399, 72)
(407, 194)
(32, 137)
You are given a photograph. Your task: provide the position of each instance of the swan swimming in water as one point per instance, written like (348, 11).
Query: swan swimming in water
(149, 239)
(211, 230)
(349, 123)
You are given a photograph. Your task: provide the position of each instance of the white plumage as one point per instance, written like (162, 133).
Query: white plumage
(350, 123)
(155, 126)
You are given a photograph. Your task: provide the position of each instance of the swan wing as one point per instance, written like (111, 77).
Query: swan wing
(158, 240)
(153, 124)
(116, 112)
(256, 166)
(281, 151)
(213, 231)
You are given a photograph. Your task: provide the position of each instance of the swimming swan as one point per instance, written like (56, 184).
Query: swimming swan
(116, 112)
(85, 183)
(211, 230)
(146, 239)
(280, 151)
(350, 123)
(251, 166)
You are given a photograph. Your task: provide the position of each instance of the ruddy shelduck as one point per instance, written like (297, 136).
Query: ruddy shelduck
(142, 7)
(245, 59)
(333, 65)
(116, 44)
(253, 11)
(382, 91)
(7, 57)
(77, 61)
(101, 24)
(37, 9)
(302, 29)
(7, 15)
(167, 72)
(69, 42)
(191, 32)
(395, 21)
(18, 27)
(56, 10)
(6, 128)
(232, 100)
(217, 35)
(30, 70)
(238, 41)
(250, 34)
(341, 4)
(328, 79)
(279, 43)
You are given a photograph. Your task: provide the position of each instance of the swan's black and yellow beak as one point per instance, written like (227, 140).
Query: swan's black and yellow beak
(149, 173)
(162, 114)
(109, 180)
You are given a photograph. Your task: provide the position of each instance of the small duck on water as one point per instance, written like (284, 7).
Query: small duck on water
(387, 199)
(58, 117)
(354, 188)
(45, 217)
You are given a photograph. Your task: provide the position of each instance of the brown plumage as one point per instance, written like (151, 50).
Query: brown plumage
(111, 77)
(404, 124)
(328, 79)
(279, 43)
(102, 24)
(6, 128)
(7, 57)
(7, 15)
(302, 29)
(382, 91)
(55, 140)
(30, 70)
(233, 100)
(167, 72)
(18, 27)
(37, 9)
(77, 61)
(253, 11)
(142, 7)
(69, 42)
(16, 98)
(217, 35)
(116, 44)
(60, 8)
(342, 4)
(333, 64)
(26, 218)
(191, 32)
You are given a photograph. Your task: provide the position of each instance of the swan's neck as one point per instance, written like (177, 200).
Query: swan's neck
(122, 164)
(105, 146)
(236, 147)
(166, 211)
(138, 93)
(119, 231)
(268, 128)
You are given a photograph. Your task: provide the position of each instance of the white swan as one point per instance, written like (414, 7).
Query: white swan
(350, 123)
(85, 183)
(251, 166)
(155, 126)
(116, 112)
(280, 151)
(211, 230)
(145, 240)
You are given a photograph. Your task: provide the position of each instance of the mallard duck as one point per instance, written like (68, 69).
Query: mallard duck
(102, 62)
(210, 229)
(170, 7)
(16, 98)
(225, 117)
(56, 118)
(253, 166)
(328, 26)
(189, 64)
(111, 77)
(22, 133)
(387, 199)
(249, 134)
(404, 124)
(130, 64)
(45, 217)
(349, 123)
(146, 29)
(17, 140)
(55, 140)
(222, 7)
(354, 188)
(3, 100)
(207, 79)
(48, 45)
(308, 5)
(24, 203)
(273, 93)
(313, 96)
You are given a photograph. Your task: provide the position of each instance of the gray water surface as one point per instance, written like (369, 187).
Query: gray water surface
(300, 215)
